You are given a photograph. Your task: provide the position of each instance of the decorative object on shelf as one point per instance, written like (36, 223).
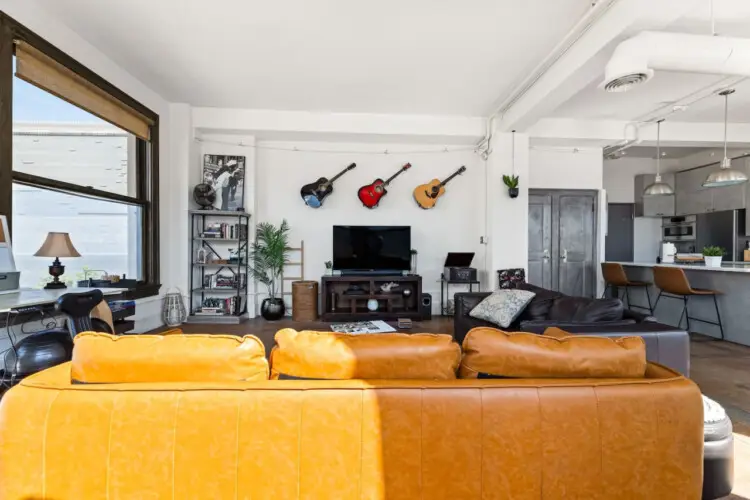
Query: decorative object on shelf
(387, 287)
(726, 175)
(511, 181)
(227, 176)
(510, 278)
(712, 256)
(371, 194)
(406, 292)
(57, 245)
(372, 305)
(174, 313)
(268, 255)
(329, 268)
(316, 192)
(426, 195)
(658, 188)
(205, 196)
(457, 267)
(202, 257)
(414, 255)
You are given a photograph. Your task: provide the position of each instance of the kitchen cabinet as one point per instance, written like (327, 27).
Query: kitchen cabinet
(691, 198)
(653, 206)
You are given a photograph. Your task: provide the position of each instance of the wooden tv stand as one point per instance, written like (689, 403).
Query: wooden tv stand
(340, 303)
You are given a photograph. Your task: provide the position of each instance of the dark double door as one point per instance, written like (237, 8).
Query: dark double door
(562, 241)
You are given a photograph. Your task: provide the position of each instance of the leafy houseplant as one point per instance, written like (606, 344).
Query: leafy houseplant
(511, 181)
(329, 267)
(270, 251)
(712, 256)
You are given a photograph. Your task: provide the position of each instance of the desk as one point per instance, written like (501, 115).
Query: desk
(30, 297)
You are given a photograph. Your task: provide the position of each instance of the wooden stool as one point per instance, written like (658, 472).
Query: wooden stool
(614, 276)
(673, 283)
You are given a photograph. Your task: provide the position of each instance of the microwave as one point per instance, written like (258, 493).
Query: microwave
(678, 228)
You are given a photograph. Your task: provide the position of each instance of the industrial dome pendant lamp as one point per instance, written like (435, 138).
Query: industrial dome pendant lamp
(658, 188)
(726, 175)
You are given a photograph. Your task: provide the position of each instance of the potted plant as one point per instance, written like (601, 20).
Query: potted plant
(712, 256)
(329, 268)
(270, 251)
(512, 182)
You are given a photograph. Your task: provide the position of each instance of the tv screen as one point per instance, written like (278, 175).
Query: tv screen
(372, 248)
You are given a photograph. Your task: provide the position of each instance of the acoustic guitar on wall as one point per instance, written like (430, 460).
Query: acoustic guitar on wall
(371, 194)
(426, 195)
(314, 193)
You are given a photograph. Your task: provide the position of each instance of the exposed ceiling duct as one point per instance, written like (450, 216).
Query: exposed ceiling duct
(635, 59)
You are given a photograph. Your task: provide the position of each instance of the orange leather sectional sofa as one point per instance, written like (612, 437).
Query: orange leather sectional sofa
(66, 433)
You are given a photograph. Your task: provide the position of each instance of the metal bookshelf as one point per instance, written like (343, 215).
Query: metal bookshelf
(235, 232)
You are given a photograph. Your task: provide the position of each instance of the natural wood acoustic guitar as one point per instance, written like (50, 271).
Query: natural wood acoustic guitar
(426, 195)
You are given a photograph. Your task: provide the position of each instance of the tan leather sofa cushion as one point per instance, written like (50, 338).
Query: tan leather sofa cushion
(526, 355)
(555, 332)
(340, 356)
(99, 358)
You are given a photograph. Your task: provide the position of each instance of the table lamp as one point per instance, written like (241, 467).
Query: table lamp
(57, 245)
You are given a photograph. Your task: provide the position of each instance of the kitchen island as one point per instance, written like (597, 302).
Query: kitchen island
(732, 279)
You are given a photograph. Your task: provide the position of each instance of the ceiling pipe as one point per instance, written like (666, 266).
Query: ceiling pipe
(635, 59)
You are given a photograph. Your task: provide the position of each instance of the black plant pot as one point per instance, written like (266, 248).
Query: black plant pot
(272, 309)
(513, 192)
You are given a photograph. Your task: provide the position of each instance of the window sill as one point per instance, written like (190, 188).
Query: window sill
(142, 291)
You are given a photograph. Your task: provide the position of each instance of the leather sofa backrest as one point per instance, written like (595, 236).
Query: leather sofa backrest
(100, 358)
(492, 353)
(352, 439)
(582, 309)
(340, 356)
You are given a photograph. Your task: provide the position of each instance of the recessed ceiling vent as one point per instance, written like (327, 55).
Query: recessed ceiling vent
(635, 59)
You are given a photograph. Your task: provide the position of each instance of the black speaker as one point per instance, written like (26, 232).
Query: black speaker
(425, 309)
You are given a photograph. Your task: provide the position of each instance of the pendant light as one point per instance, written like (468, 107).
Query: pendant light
(726, 175)
(658, 188)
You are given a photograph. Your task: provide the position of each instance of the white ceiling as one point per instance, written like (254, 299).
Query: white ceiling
(388, 56)
(656, 96)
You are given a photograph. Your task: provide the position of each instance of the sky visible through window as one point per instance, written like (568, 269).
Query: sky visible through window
(31, 104)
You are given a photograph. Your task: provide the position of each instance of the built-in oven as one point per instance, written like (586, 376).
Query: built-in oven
(678, 228)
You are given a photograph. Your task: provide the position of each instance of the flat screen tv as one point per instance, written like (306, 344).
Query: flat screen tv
(371, 248)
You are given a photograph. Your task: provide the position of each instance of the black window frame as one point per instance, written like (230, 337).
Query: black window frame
(146, 154)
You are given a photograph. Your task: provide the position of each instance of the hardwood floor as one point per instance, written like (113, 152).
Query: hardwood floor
(721, 369)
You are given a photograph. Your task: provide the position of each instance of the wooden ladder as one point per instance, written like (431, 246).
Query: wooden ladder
(295, 263)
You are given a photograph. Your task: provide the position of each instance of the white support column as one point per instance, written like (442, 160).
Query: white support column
(507, 218)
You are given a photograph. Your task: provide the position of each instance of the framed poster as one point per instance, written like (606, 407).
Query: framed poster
(226, 174)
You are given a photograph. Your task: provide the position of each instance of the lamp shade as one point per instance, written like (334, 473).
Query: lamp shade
(57, 245)
(658, 188)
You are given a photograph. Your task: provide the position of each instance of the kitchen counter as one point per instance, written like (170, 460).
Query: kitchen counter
(732, 280)
(732, 267)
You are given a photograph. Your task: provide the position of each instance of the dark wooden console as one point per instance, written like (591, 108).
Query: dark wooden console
(340, 303)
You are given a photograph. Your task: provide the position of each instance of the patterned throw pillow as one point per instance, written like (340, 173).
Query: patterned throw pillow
(502, 307)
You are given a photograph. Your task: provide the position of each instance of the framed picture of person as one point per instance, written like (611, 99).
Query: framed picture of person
(226, 174)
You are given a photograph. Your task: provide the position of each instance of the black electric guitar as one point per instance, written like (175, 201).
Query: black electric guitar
(315, 192)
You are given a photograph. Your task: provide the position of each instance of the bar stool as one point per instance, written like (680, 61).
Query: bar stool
(673, 283)
(614, 276)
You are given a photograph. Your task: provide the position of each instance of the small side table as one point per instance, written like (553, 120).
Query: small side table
(445, 296)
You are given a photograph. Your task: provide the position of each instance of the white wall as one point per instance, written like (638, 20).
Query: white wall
(454, 225)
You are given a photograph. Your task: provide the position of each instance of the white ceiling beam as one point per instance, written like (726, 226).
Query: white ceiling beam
(569, 131)
(282, 125)
(584, 61)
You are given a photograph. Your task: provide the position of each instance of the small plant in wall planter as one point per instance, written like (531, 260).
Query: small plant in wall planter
(712, 256)
(511, 181)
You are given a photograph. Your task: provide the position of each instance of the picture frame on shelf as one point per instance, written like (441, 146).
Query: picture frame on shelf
(226, 174)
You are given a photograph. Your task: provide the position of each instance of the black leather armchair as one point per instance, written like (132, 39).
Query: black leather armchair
(665, 344)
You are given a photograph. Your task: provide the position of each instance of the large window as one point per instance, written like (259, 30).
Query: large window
(83, 162)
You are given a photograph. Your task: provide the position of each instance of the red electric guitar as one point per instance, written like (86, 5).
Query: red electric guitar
(370, 194)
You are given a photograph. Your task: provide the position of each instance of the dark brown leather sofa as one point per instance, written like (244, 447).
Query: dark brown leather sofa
(665, 344)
